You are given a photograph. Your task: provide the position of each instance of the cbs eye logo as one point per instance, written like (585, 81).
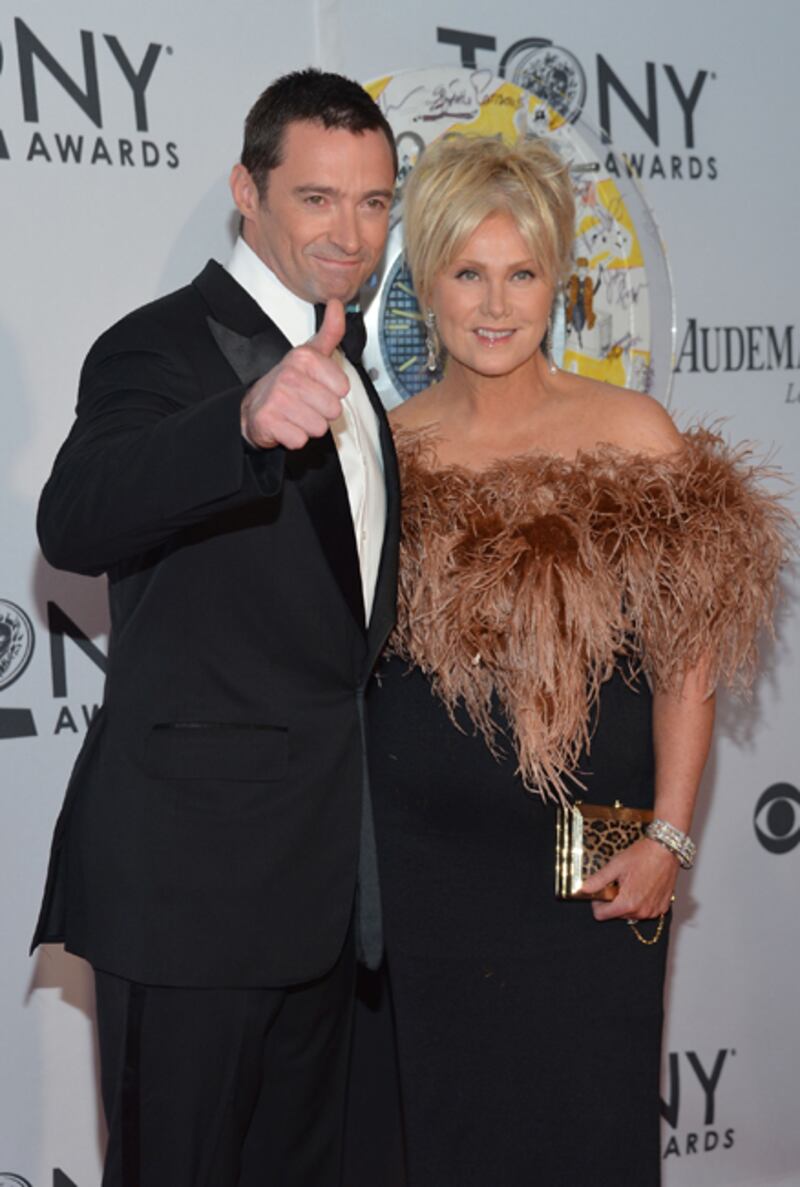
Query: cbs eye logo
(777, 818)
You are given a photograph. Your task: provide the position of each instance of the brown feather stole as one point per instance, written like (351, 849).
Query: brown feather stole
(535, 578)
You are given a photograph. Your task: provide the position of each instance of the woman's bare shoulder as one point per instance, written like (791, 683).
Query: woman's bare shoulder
(617, 416)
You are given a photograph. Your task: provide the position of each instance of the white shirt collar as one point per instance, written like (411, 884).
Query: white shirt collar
(293, 316)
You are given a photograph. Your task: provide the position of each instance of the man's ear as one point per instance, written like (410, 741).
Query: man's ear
(244, 191)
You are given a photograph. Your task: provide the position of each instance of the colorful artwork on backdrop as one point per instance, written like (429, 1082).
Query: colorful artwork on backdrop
(614, 318)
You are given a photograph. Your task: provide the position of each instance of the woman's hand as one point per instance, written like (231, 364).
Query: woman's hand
(646, 873)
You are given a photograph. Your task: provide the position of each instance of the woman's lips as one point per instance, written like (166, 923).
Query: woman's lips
(493, 337)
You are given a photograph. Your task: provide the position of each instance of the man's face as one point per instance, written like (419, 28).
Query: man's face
(322, 224)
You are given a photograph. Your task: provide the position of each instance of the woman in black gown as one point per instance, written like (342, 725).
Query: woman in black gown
(575, 577)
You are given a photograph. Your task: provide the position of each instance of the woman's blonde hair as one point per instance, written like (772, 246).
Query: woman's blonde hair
(459, 181)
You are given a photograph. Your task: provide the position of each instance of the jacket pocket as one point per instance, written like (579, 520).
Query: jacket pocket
(223, 751)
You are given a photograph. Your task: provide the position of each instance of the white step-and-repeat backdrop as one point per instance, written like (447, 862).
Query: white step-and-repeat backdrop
(118, 125)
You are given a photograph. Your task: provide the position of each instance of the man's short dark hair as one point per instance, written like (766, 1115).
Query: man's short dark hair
(327, 99)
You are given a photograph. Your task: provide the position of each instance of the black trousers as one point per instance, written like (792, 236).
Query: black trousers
(225, 1087)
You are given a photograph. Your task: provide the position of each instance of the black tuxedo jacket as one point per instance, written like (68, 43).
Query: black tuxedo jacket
(212, 830)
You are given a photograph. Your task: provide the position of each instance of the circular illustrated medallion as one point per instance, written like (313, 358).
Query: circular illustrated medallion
(549, 71)
(615, 318)
(16, 644)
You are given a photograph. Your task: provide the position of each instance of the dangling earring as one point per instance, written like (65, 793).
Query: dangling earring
(555, 323)
(552, 366)
(432, 363)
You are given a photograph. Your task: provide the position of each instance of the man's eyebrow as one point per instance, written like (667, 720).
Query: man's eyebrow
(315, 189)
(332, 191)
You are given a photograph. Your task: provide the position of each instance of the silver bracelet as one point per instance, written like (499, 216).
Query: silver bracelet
(679, 844)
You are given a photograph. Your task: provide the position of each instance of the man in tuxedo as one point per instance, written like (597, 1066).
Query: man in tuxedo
(231, 470)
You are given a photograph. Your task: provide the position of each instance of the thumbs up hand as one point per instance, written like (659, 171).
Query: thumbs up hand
(331, 332)
(302, 395)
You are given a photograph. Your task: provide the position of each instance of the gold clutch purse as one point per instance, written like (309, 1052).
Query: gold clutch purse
(587, 837)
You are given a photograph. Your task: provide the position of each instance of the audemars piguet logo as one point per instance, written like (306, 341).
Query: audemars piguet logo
(746, 348)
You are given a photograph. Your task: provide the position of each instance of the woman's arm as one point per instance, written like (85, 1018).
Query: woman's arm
(646, 872)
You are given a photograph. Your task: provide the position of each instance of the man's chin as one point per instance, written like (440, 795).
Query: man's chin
(343, 283)
(342, 292)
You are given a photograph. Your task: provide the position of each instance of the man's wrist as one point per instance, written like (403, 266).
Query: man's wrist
(245, 437)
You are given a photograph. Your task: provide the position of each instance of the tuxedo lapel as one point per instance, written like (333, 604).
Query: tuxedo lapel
(250, 358)
(384, 603)
(252, 345)
(318, 476)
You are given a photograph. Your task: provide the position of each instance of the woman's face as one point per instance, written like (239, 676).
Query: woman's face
(491, 304)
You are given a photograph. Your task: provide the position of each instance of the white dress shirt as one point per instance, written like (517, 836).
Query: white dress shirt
(355, 432)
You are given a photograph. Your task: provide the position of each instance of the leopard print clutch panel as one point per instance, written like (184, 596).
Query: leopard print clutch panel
(587, 837)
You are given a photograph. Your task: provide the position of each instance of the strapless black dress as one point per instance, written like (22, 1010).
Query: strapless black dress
(528, 1034)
